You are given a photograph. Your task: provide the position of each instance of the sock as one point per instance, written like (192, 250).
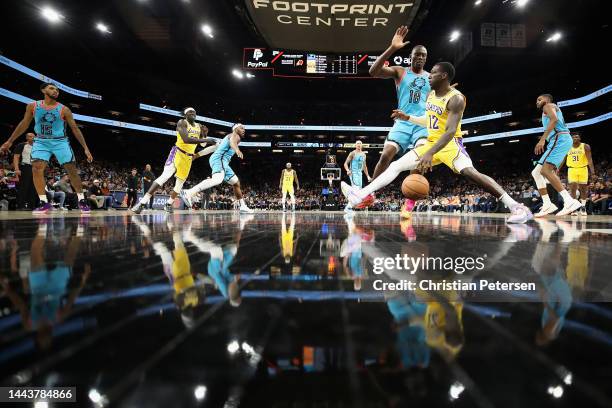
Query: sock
(80, 196)
(145, 199)
(170, 200)
(204, 185)
(583, 201)
(242, 203)
(379, 182)
(42, 198)
(508, 201)
(567, 198)
(546, 200)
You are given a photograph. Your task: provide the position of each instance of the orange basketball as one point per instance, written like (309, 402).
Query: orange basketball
(415, 187)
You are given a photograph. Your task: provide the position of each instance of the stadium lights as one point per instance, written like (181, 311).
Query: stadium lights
(454, 35)
(555, 37)
(513, 141)
(233, 347)
(556, 391)
(521, 3)
(52, 15)
(103, 28)
(478, 2)
(206, 29)
(200, 392)
(487, 144)
(237, 74)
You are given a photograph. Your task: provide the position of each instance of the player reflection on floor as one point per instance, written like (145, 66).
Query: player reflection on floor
(46, 279)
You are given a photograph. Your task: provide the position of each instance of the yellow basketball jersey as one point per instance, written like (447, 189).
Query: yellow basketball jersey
(577, 157)
(192, 131)
(287, 241)
(577, 270)
(435, 323)
(437, 114)
(288, 177)
(181, 271)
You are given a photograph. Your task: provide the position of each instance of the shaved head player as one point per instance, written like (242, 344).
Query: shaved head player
(412, 87)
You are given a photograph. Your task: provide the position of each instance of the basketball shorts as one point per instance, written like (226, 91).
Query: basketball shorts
(43, 149)
(357, 179)
(556, 150)
(405, 135)
(453, 155)
(220, 164)
(578, 175)
(180, 161)
(287, 189)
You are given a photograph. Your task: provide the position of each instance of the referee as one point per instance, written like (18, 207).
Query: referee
(22, 163)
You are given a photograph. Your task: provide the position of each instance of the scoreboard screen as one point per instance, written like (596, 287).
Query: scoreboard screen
(314, 65)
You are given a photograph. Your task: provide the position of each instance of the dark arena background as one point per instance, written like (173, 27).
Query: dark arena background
(143, 267)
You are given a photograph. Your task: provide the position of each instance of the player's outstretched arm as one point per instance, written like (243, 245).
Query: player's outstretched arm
(77, 133)
(417, 120)
(378, 69)
(20, 129)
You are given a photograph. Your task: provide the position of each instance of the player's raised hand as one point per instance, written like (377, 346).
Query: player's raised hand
(399, 114)
(398, 39)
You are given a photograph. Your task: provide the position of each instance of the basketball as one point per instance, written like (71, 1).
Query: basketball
(415, 187)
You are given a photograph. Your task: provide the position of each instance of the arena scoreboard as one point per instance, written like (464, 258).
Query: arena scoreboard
(301, 64)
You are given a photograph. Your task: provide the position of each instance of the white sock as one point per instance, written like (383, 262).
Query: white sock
(80, 196)
(507, 200)
(381, 181)
(546, 200)
(145, 199)
(170, 200)
(42, 198)
(583, 201)
(206, 184)
(567, 198)
(242, 203)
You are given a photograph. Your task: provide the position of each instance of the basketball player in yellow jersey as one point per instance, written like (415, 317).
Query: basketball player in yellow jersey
(288, 177)
(578, 158)
(188, 135)
(443, 112)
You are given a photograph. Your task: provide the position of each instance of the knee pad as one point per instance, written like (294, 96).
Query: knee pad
(538, 177)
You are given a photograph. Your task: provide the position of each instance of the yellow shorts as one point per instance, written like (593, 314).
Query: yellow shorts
(453, 154)
(180, 161)
(578, 175)
(287, 189)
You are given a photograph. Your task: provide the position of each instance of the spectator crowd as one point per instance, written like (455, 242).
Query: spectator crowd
(448, 193)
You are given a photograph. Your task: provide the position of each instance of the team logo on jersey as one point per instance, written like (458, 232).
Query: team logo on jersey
(418, 82)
